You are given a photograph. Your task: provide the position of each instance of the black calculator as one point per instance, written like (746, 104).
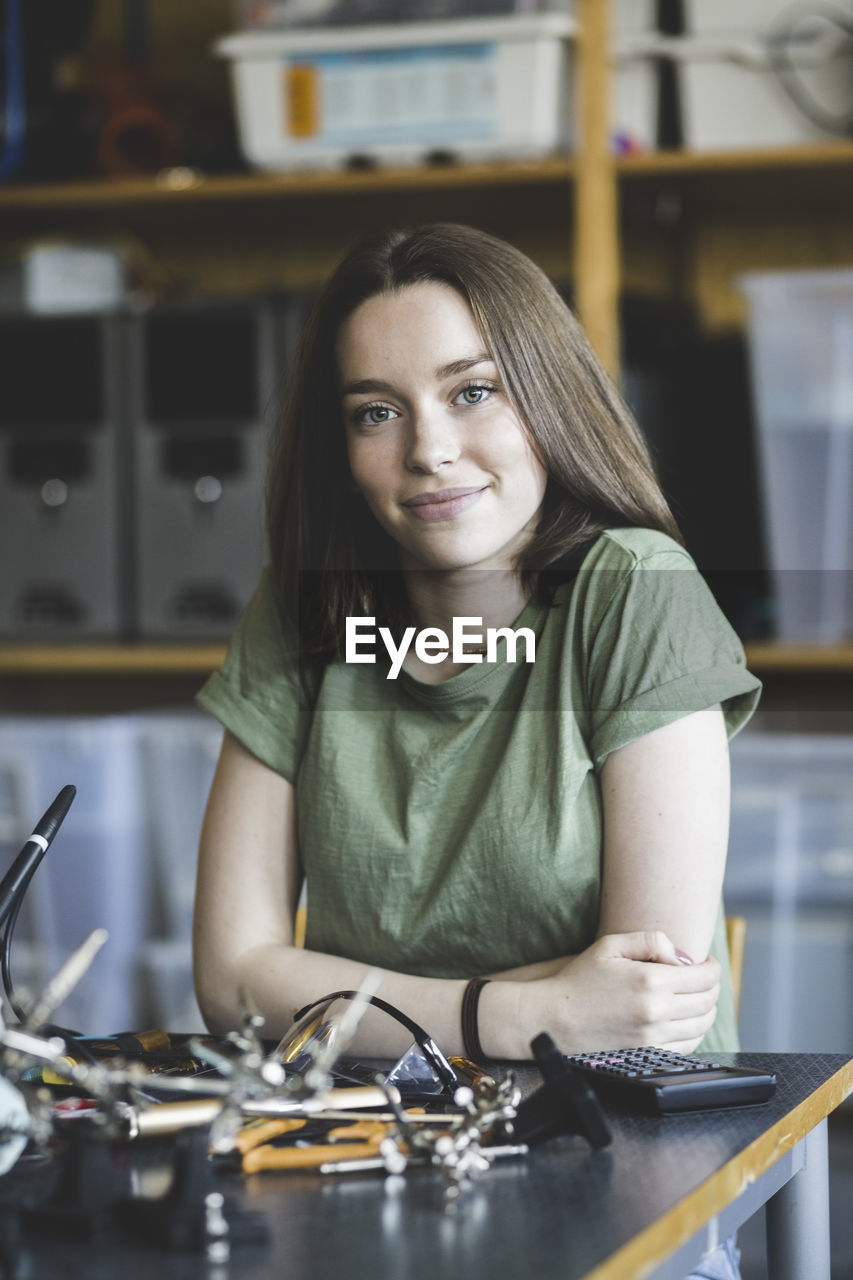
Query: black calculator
(661, 1081)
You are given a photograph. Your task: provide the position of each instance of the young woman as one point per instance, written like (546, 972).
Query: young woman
(452, 449)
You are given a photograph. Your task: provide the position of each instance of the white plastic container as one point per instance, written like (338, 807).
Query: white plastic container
(702, 17)
(801, 355)
(472, 88)
(264, 14)
(63, 278)
(95, 873)
(732, 80)
(732, 96)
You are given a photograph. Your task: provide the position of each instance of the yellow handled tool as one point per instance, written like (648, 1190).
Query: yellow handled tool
(350, 1142)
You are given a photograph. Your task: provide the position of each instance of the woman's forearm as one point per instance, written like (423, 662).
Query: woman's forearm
(624, 990)
(530, 972)
(281, 979)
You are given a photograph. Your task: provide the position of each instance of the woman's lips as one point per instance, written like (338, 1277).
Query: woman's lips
(445, 504)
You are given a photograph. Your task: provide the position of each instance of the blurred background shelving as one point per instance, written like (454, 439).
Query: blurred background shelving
(660, 236)
(689, 225)
(648, 243)
(806, 687)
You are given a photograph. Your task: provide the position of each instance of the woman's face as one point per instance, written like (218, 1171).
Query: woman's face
(434, 446)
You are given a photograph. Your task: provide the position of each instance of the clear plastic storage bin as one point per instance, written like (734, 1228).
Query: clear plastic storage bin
(792, 819)
(168, 995)
(790, 873)
(801, 354)
(179, 751)
(95, 873)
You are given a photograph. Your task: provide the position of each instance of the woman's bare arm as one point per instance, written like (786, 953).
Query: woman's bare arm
(666, 831)
(666, 810)
(248, 885)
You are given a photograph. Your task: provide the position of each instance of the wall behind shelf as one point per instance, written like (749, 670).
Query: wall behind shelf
(95, 694)
(259, 244)
(693, 232)
(180, 39)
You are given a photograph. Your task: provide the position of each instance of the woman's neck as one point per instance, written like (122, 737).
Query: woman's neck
(492, 597)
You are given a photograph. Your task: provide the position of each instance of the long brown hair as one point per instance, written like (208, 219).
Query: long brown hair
(330, 558)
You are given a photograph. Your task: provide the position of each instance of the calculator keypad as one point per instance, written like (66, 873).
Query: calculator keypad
(661, 1081)
(633, 1064)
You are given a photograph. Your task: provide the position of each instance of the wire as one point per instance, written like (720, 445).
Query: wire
(784, 37)
(6, 957)
(74, 1043)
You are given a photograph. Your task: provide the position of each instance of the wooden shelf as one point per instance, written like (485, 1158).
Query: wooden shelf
(110, 660)
(823, 155)
(808, 659)
(199, 659)
(176, 187)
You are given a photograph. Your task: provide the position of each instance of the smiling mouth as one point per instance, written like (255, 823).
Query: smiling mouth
(445, 504)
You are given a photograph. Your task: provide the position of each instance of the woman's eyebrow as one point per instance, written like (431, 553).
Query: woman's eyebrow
(462, 366)
(370, 386)
(365, 386)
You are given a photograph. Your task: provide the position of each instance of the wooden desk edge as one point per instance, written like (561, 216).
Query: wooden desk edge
(654, 1245)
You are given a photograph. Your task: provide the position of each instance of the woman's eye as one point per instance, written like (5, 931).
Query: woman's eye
(373, 415)
(475, 394)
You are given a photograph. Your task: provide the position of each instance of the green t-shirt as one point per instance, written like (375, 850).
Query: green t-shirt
(454, 829)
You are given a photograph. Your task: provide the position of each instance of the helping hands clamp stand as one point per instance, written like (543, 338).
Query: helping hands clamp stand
(92, 1191)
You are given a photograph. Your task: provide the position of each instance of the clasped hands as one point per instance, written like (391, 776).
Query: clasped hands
(630, 989)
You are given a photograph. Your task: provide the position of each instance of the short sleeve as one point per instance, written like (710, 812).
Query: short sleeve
(656, 645)
(262, 694)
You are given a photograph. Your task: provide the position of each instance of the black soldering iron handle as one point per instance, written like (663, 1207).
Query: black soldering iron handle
(573, 1105)
(549, 1060)
(21, 871)
(52, 819)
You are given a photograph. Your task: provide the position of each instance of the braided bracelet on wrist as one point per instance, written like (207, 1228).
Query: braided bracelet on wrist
(470, 1027)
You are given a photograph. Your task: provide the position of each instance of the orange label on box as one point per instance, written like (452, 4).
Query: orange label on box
(301, 101)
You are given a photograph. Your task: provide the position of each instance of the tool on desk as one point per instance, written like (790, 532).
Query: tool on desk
(358, 1141)
(30, 1040)
(309, 1142)
(63, 983)
(88, 1184)
(662, 1081)
(338, 1032)
(14, 1125)
(322, 1030)
(15, 883)
(13, 886)
(563, 1104)
(170, 1117)
(462, 1146)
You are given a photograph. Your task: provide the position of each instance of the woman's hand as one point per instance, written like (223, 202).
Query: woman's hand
(630, 989)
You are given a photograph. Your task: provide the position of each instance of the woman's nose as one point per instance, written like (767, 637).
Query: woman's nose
(432, 443)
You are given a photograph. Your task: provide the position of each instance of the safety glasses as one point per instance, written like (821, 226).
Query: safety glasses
(319, 1030)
